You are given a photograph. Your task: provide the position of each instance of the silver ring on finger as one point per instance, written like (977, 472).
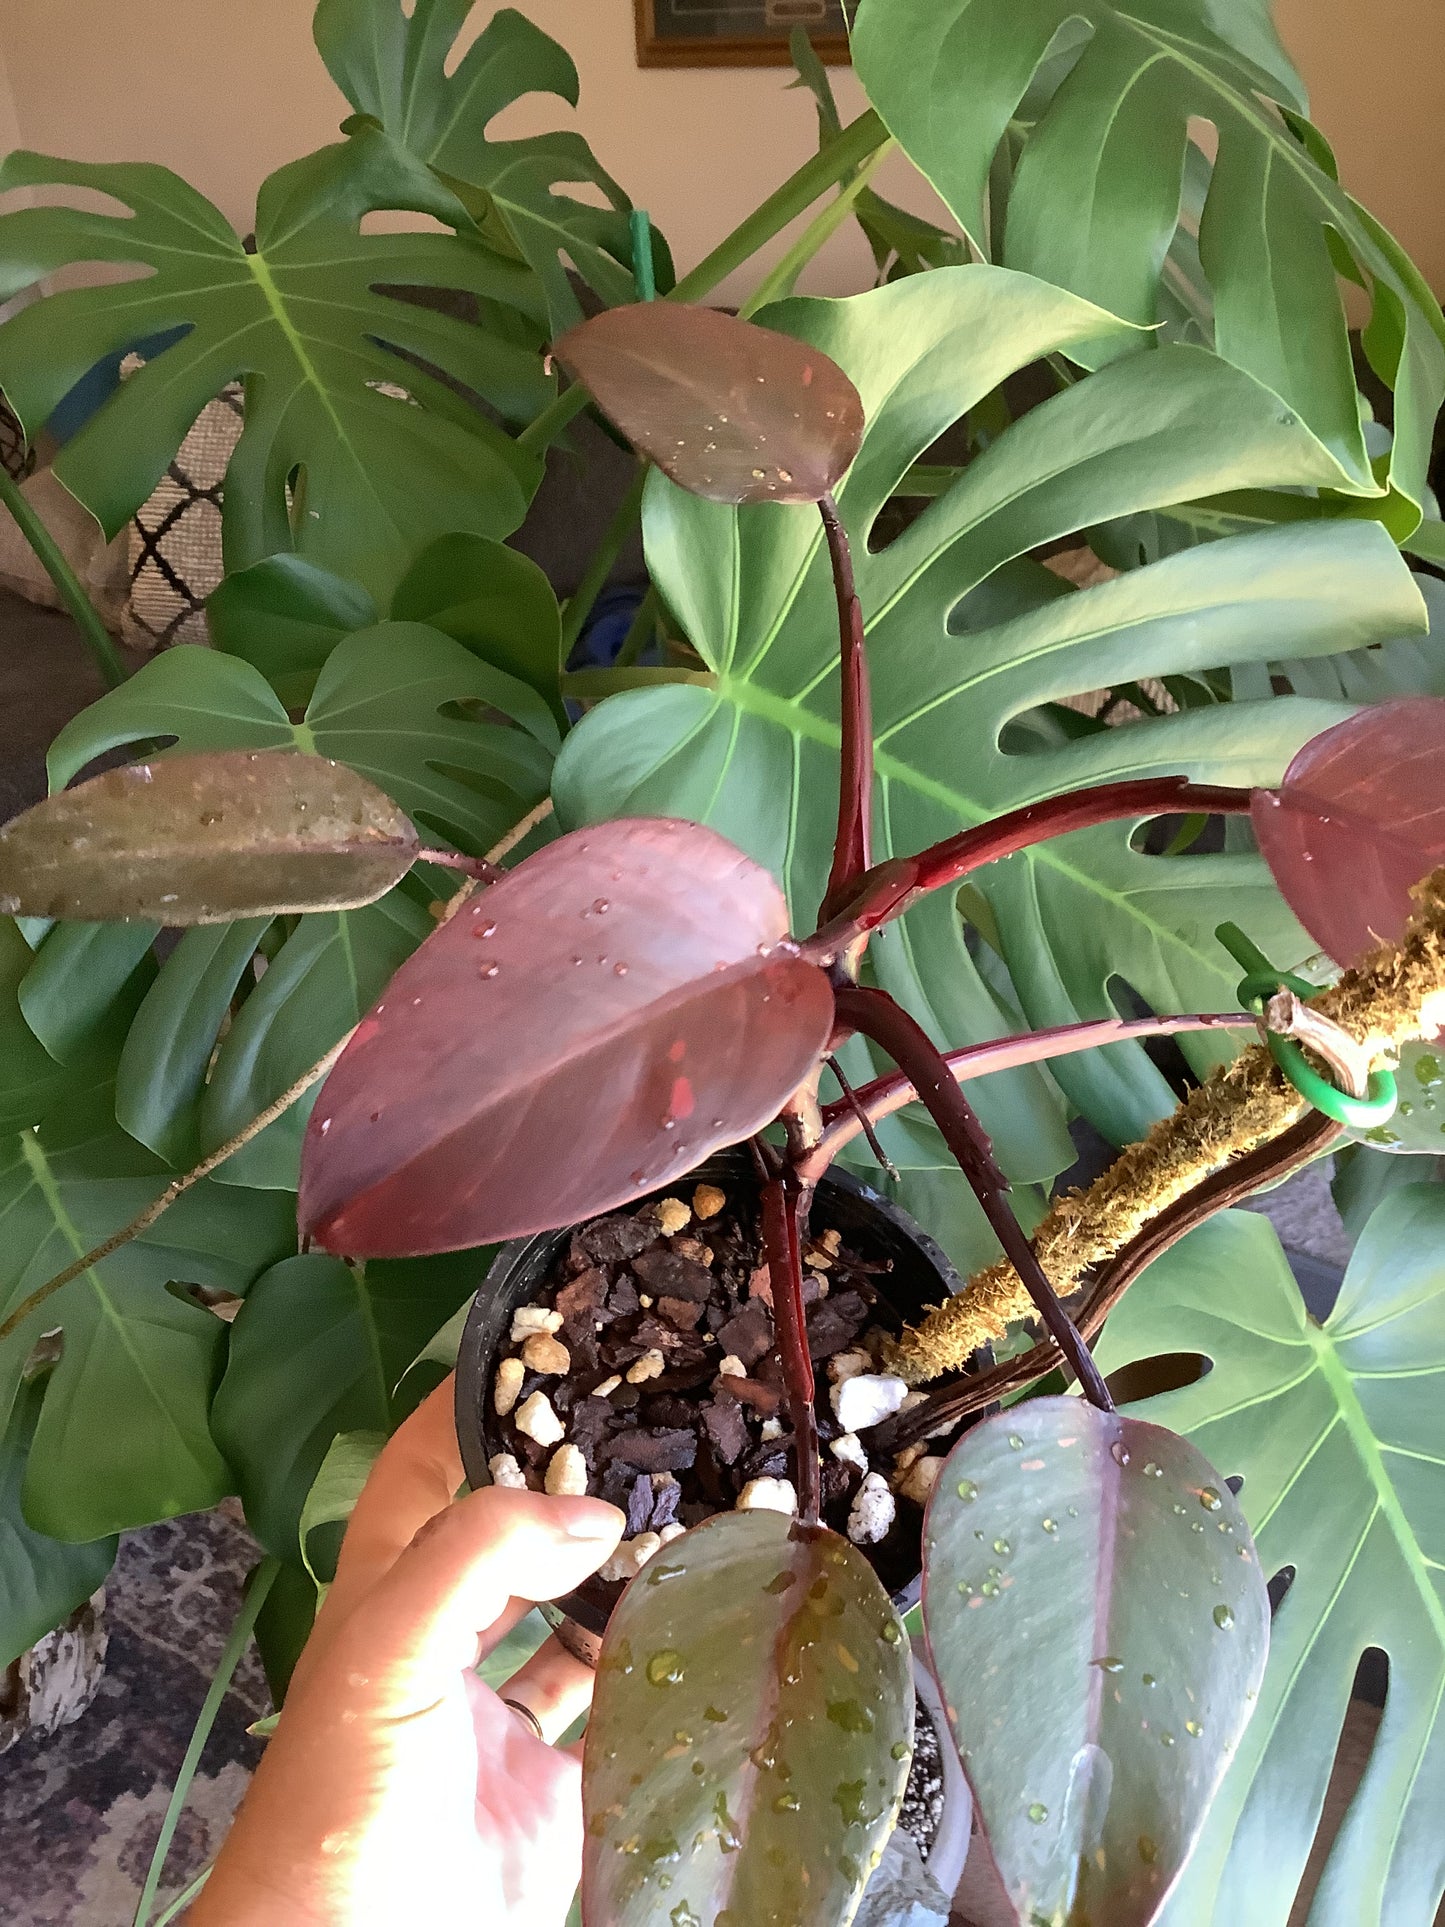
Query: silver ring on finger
(525, 1714)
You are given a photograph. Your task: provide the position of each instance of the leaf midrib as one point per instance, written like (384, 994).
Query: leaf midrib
(1341, 1385)
(49, 1188)
(789, 714)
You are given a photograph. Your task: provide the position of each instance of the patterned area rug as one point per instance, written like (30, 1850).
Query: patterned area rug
(80, 1812)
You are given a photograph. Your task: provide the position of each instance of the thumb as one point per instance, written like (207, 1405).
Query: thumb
(420, 1625)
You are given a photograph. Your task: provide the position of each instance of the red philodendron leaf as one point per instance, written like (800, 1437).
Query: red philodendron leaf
(1359, 819)
(731, 411)
(618, 1007)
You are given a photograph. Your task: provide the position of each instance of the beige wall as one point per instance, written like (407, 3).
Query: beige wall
(9, 121)
(224, 90)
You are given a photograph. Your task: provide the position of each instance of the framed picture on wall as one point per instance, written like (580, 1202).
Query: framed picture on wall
(737, 33)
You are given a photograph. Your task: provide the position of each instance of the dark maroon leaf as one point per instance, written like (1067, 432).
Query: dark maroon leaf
(749, 1740)
(206, 839)
(618, 1007)
(1358, 819)
(731, 411)
(1098, 1624)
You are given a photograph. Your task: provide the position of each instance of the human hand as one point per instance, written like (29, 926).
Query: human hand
(397, 1787)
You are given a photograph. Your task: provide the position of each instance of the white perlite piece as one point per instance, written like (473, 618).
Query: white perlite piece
(537, 1419)
(533, 1318)
(768, 1495)
(848, 1365)
(547, 1355)
(866, 1400)
(607, 1387)
(505, 1471)
(669, 1533)
(707, 1201)
(849, 1449)
(567, 1473)
(507, 1387)
(872, 1511)
(732, 1367)
(631, 1556)
(772, 1429)
(919, 1480)
(650, 1365)
(672, 1216)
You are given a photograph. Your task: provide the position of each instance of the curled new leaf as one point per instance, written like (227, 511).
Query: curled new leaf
(731, 411)
(1098, 1624)
(1358, 820)
(616, 1008)
(206, 839)
(749, 1740)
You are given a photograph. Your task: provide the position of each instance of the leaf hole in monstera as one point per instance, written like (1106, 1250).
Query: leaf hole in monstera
(1185, 836)
(395, 220)
(1152, 1377)
(1279, 1587)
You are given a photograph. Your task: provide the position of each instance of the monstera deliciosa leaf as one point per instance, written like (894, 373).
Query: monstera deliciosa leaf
(317, 1350)
(330, 464)
(955, 665)
(394, 66)
(1335, 1432)
(122, 1437)
(1095, 199)
(41, 1580)
(384, 705)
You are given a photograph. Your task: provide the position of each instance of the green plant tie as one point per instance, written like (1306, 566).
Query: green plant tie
(643, 272)
(1261, 982)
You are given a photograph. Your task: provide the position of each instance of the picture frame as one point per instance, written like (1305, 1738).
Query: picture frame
(737, 33)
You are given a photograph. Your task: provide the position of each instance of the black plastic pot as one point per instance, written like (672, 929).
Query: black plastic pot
(921, 1276)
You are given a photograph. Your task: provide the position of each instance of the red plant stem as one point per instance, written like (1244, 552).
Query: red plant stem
(785, 1206)
(853, 846)
(876, 1015)
(890, 889)
(852, 1114)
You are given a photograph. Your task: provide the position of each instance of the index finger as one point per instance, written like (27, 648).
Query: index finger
(417, 1476)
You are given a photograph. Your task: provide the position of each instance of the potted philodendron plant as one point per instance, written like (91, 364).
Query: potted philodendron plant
(613, 1055)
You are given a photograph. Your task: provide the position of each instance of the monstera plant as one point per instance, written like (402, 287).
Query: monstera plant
(875, 805)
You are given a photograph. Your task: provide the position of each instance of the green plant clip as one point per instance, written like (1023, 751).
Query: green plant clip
(643, 271)
(1260, 983)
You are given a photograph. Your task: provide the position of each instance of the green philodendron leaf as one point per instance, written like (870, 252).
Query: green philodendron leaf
(168, 1048)
(85, 977)
(42, 1580)
(386, 704)
(1094, 202)
(203, 839)
(313, 1355)
(758, 1679)
(34, 1081)
(334, 1493)
(376, 474)
(320, 983)
(1098, 1626)
(1364, 1177)
(1418, 1125)
(394, 64)
(1335, 1431)
(954, 667)
(122, 1438)
(902, 242)
(284, 616)
(494, 602)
